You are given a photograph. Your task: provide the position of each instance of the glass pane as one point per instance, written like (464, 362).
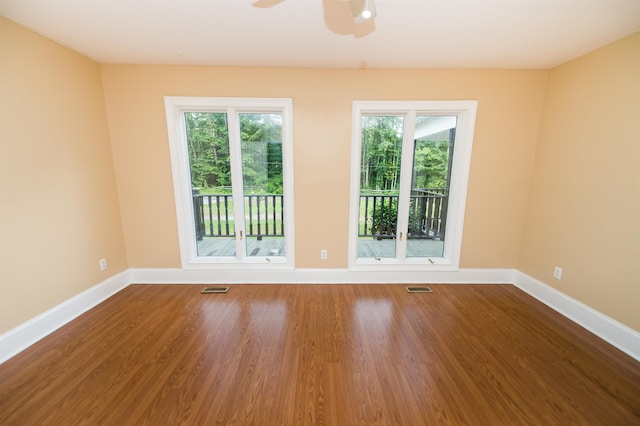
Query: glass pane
(431, 173)
(262, 176)
(209, 162)
(379, 185)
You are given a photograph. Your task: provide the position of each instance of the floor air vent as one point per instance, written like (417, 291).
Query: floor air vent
(419, 290)
(208, 290)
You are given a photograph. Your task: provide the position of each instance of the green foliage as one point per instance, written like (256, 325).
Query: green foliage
(384, 220)
(430, 165)
(208, 140)
(261, 147)
(382, 151)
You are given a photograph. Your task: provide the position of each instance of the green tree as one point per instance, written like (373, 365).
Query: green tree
(261, 146)
(262, 152)
(431, 164)
(381, 153)
(208, 143)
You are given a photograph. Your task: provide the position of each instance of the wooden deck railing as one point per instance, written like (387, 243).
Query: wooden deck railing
(213, 215)
(427, 214)
(264, 214)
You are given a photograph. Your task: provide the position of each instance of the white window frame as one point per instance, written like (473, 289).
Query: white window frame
(175, 108)
(465, 111)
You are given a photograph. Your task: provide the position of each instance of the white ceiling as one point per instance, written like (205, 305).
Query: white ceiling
(322, 33)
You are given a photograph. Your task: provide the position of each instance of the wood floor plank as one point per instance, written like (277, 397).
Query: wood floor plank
(320, 355)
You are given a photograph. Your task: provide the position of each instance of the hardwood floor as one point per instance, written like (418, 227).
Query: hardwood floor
(320, 355)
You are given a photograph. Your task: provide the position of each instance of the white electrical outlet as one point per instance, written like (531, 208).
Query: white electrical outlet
(103, 264)
(323, 254)
(557, 273)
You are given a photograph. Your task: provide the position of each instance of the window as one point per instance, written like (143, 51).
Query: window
(232, 168)
(410, 167)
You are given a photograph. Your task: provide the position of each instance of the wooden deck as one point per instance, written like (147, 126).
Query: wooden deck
(274, 246)
(268, 246)
(369, 247)
(320, 355)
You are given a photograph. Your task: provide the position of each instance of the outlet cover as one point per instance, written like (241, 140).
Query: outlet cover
(557, 273)
(103, 264)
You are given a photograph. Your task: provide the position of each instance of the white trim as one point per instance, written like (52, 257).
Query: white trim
(320, 276)
(28, 333)
(608, 329)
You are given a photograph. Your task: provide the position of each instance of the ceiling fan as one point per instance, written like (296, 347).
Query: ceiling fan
(361, 10)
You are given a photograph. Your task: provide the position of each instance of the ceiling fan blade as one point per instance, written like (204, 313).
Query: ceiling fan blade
(266, 3)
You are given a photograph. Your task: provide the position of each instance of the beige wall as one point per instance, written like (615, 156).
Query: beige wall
(584, 209)
(509, 111)
(59, 205)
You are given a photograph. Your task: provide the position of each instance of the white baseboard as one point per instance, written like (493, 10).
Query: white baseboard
(320, 276)
(28, 333)
(23, 336)
(608, 329)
